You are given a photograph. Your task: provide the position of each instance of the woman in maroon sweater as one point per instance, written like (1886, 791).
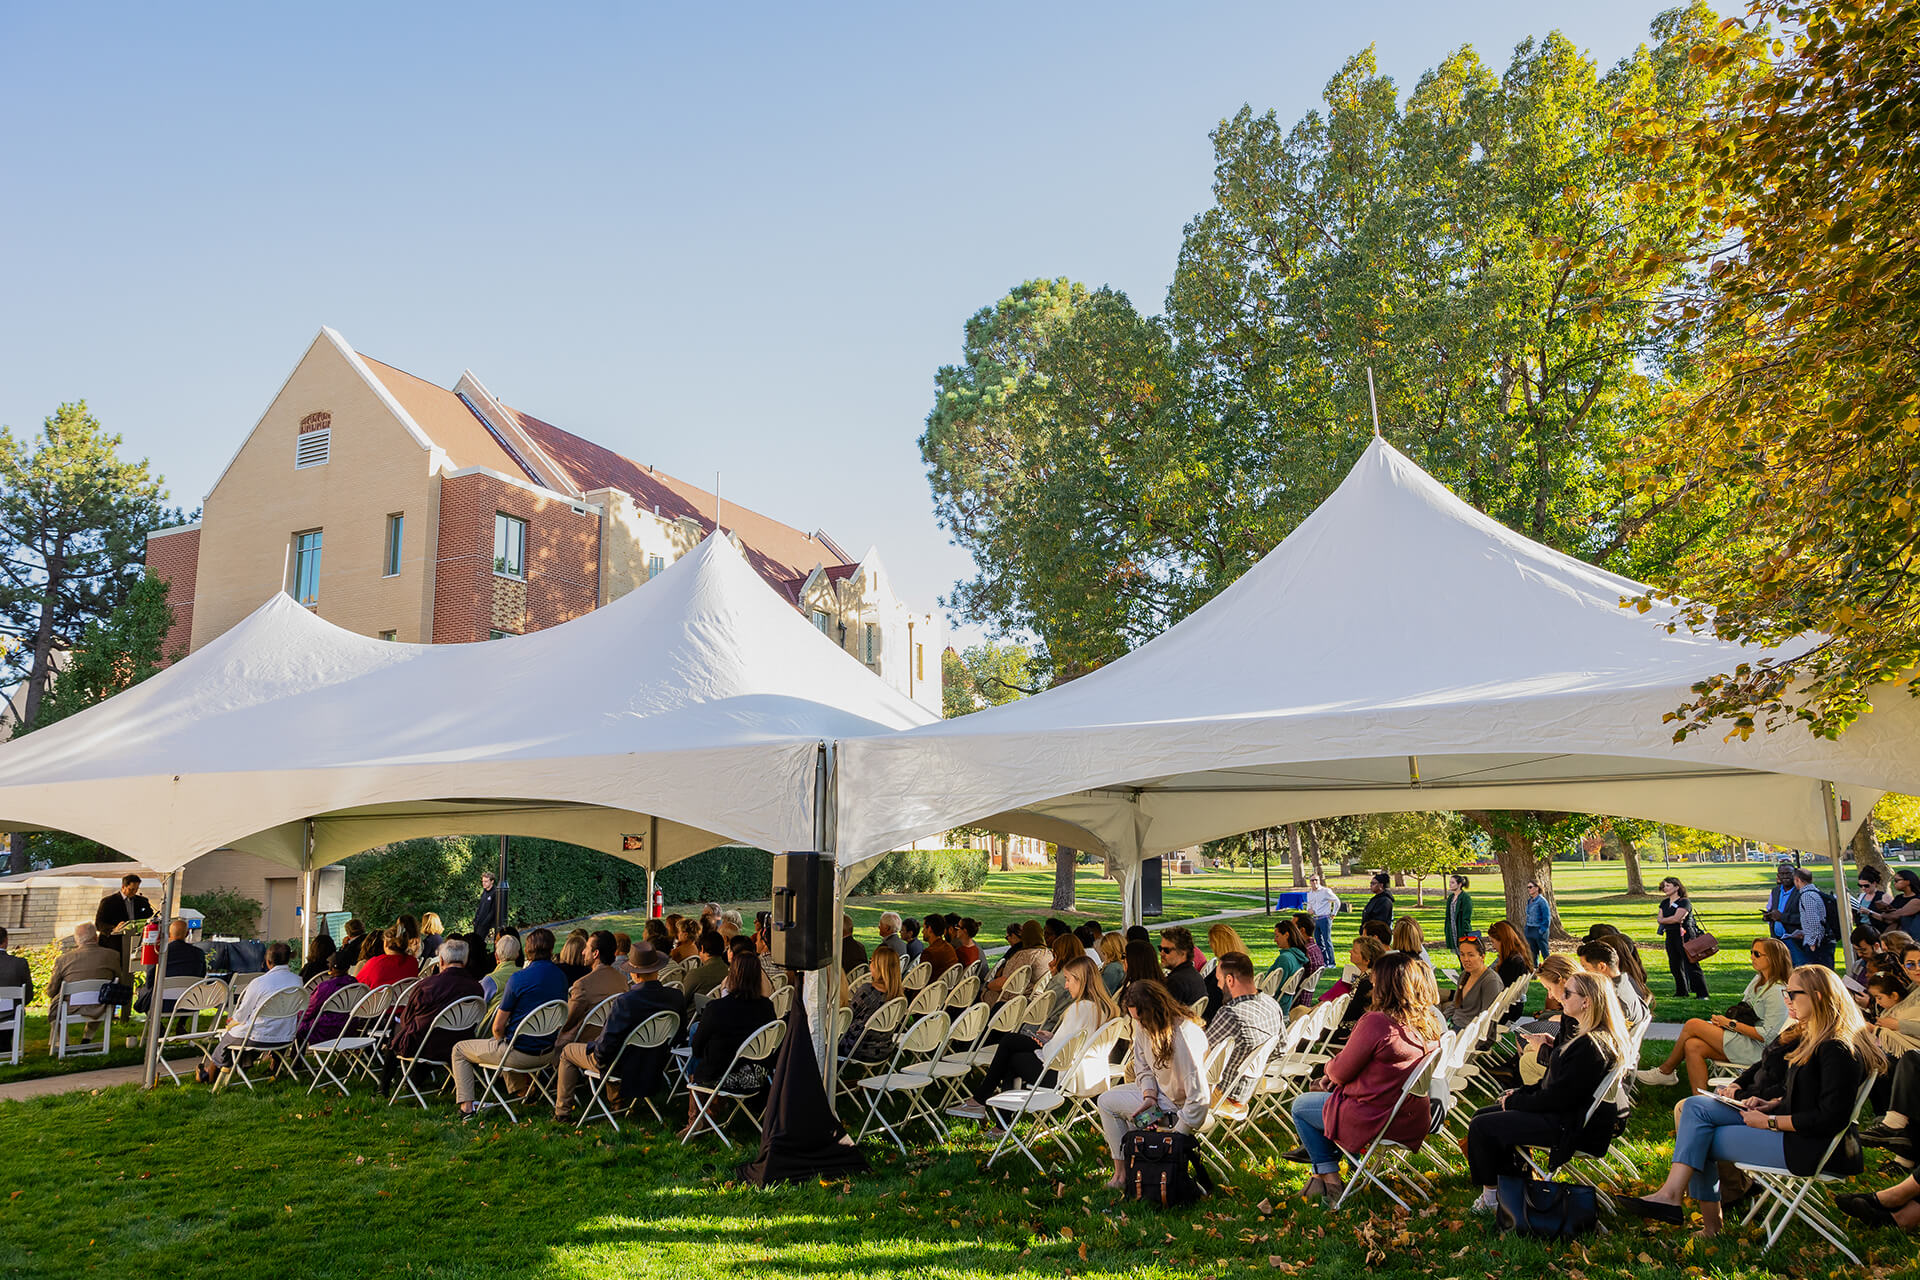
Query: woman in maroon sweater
(1388, 1044)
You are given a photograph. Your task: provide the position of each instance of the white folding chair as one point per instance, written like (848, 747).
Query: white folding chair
(1031, 1103)
(312, 984)
(858, 974)
(1226, 1114)
(461, 1015)
(278, 1006)
(1781, 1196)
(1385, 1150)
(352, 1040)
(1008, 1017)
(1577, 1168)
(759, 1047)
(915, 979)
(1017, 982)
(909, 1075)
(884, 1021)
(965, 991)
(13, 1018)
(1087, 1075)
(1199, 1008)
(201, 998)
(926, 1000)
(782, 1001)
(956, 1064)
(541, 1021)
(80, 995)
(654, 1031)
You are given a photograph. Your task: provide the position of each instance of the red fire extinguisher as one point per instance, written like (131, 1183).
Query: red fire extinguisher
(150, 942)
(659, 904)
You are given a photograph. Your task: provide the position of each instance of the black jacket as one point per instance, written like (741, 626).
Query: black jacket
(483, 913)
(1766, 1078)
(639, 1070)
(1819, 1096)
(115, 909)
(1186, 983)
(1575, 1068)
(184, 960)
(726, 1024)
(1379, 907)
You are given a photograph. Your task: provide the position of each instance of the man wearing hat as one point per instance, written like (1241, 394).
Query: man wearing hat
(638, 1071)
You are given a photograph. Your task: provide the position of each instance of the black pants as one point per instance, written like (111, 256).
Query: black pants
(1898, 1088)
(1494, 1138)
(1016, 1056)
(1687, 978)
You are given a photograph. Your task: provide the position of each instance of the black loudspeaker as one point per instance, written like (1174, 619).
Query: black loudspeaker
(1151, 906)
(803, 932)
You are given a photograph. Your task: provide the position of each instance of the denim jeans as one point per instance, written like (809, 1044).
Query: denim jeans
(1306, 1121)
(1323, 934)
(1711, 1130)
(1537, 944)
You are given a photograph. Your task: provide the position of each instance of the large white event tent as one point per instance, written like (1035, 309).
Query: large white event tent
(696, 711)
(1398, 651)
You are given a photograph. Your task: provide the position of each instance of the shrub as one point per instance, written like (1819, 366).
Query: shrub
(926, 871)
(547, 880)
(731, 873)
(226, 912)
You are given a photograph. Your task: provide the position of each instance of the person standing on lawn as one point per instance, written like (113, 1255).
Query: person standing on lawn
(1539, 921)
(1323, 903)
(1380, 905)
(1780, 902)
(487, 910)
(1459, 912)
(1807, 936)
(1677, 924)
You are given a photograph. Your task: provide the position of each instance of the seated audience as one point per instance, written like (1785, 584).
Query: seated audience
(1365, 1079)
(1113, 961)
(656, 934)
(277, 1032)
(890, 934)
(1290, 954)
(1142, 963)
(1410, 938)
(712, 970)
(1062, 949)
(1627, 960)
(432, 934)
(882, 986)
(312, 1027)
(1553, 1113)
(1479, 985)
(1831, 1049)
(1088, 935)
(1030, 953)
(539, 982)
(637, 1072)
(1224, 939)
(409, 929)
(14, 972)
(938, 955)
(1183, 978)
(572, 960)
(1599, 957)
(961, 931)
(852, 953)
(354, 941)
(603, 981)
(323, 947)
(1380, 931)
(89, 960)
(1739, 1035)
(1310, 940)
(1248, 1017)
(1514, 963)
(1169, 1070)
(1034, 1058)
(1891, 1011)
(1361, 957)
(451, 982)
(726, 1024)
(688, 945)
(1897, 1095)
(184, 960)
(731, 925)
(392, 964)
(506, 955)
(910, 938)
(622, 951)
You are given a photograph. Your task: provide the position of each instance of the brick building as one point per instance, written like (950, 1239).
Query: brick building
(401, 509)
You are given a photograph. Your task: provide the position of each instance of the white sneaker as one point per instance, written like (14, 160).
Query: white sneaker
(1654, 1075)
(968, 1111)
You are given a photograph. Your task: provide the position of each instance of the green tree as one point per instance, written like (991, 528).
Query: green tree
(73, 523)
(1414, 844)
(984, 675)
(1803, 422)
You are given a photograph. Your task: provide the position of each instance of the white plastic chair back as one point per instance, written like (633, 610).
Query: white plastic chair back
(1017, 982)
(916, 978)
(13, 1018)
(313, 984)
(1200, 1007)
(925, 1001)
(1009, 1015)
(924, 1037)
(782, 1000)
(969, 1027)
(963, 993)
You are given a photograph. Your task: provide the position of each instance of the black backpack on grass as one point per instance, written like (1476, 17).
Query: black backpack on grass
(1162, 1167)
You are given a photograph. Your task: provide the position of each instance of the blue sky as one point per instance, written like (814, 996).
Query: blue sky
(734, 238)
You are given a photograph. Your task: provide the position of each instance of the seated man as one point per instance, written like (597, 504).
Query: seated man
(14, 972)
(90, 960)
(184, 960)
(539, 982)
(713, 964)
(1249, 1017)
(603, 979)
(1176, 954)
(453, 981)
(637, 1073)
(267, 1031)
(852, 953)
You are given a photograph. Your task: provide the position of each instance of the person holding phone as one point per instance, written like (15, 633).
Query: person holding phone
(1725, 1038)
(1676, 922)
(1170, 1078)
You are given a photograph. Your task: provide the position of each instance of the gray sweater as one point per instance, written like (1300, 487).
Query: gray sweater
(1464, 1004)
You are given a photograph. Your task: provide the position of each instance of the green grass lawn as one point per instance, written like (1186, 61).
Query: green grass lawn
(282, 1184)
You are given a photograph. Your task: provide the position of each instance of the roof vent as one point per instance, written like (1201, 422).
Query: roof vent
(311, 449)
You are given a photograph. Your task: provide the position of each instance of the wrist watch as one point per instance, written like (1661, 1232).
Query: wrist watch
(1773, 1123)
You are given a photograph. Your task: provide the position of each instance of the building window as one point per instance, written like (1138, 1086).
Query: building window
(306, 568)
(396, 529)
(870, 644)
(823, 622)
(655, 564)
(390, 635)
(499, 635)
(919, 662)
(509, 545)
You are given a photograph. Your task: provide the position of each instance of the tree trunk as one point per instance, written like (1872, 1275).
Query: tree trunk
(1003, 849)
(1519, 863)
(1611, 841)
(17, 853)
(1293, 855)
(1399, 879)
(1063, 866)
(1313, 848)
(1867, 854)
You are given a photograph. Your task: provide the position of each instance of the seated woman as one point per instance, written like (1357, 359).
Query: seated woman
(573, 957)
(1479, 985)
(1514, 963)
(1901, 912)
(1894, 1012)
(1725, 1038)
(1142, 961)
(1831, 1050)
(1366, 1078)
(1553, 1113)
(1309, 943)
(1528, 1062)
(1410, 938)
(1031, 954)
(323, 949)
(1063, 951)
(1365, 953)
(961, 931)
(1035, 1058)
(393, 964)
(432, 934)
(687, 947)
(1290, 956)
(1113, 961)
(1599, 957)
(1169, 1060)
(727, 1022)
(312, 1028)
(883, 986)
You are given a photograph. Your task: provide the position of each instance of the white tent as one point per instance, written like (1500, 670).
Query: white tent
(692, 712)
(1398, 651)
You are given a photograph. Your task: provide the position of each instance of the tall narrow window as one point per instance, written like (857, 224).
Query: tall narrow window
(919, 662)
(509, 545)
(396, 529)
(822, 621)
(870, 644)
(655, 564)
(306, 567)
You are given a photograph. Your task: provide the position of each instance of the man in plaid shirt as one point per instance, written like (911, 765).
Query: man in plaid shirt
(1248, 1019)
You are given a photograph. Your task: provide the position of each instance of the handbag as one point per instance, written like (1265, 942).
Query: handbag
(1549, 1210)
(1162, 1167)
(1700, 946)
(1744, 1012)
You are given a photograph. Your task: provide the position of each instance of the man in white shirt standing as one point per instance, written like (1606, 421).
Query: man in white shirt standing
(1322, 902)
(265, 1031)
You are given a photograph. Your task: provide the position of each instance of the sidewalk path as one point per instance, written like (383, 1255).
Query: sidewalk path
(72, 1082)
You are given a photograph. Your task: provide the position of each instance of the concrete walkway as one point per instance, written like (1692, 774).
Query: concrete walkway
(72, 1082)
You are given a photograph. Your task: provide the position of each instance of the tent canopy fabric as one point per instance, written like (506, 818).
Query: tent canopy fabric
(1400, 650)
(689, 713)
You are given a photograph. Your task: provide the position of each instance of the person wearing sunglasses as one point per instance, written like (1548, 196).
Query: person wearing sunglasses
(1831, 1051)
(1176, 957)
(1739, 1035)
(1900, 913)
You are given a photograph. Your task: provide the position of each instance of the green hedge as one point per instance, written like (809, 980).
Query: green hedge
(549, 880)
(926, 871)
(225, 912)
(731, 873)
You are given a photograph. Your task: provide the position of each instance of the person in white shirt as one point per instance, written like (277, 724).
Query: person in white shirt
(1169, 1061)
(266, 1031)
(1323, 903)
(1036, 1059)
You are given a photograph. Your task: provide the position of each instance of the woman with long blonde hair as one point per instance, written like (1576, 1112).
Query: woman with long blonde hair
(1224, 939)
(1832, 1051)
(1552, 1113)
(1036, 1058)
(883, 985)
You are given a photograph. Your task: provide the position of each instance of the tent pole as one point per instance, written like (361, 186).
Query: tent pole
(150, 1072)
(827, 986)
(306, 896)
(500, 903)
(1836, 852)
(653, 861)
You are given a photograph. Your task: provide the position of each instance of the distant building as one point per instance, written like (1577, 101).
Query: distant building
(403, 510)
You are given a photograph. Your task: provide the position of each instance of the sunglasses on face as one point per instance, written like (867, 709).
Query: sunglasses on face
(1910, 964)
(1794, 991)
(1166, 950)
(1756, 953)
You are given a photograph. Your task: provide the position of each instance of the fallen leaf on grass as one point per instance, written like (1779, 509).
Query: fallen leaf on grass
(1083, 1251)
(1264, 1208)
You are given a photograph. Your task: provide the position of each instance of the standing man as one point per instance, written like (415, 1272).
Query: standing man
(14, 972)
(1323, 903)
(1809, 942)
(486, 912)
(115, 910)
(1539, 921)
(1780, 903)
(1380, 905)
(1459, 912)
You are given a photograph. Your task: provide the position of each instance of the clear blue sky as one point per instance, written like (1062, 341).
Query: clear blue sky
(736, 238)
